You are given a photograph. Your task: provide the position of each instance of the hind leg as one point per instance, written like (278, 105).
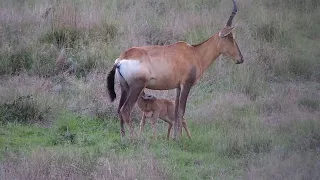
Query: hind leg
(122, 121)
(169, 129)
(170, 124)
(134, 91)
(124, 95)
(184, 124)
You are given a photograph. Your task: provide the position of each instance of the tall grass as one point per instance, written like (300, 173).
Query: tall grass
(98, 31)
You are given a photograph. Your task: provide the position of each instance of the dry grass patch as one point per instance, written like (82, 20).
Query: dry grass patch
(282, 165)
(28, 100)
(44, 165)
(286, 104)
(219, 106)
(130, 167)
(47, 164)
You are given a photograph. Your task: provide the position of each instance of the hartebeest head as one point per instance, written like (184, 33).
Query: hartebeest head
(145, 96)
(227, 44)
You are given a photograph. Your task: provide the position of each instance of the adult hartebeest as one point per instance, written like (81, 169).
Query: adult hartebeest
(177, 66)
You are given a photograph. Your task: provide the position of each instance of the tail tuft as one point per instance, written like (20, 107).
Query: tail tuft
(110, 83)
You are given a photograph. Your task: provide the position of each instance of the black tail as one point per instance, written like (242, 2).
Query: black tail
(110, 83)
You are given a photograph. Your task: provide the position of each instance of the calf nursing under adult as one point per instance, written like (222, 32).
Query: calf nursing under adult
(155, 108)
(177, 66)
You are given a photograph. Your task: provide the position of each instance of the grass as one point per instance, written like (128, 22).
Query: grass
(185, 159)
(220, 149)
(258, 120)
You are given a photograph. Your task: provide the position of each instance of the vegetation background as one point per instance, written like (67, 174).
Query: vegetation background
(258, 120)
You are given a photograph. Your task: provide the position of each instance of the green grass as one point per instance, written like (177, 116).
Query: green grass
(215, 150)
(17, 136)
(222, 148)
(258, 120)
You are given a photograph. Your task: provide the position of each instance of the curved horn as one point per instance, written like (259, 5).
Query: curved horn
(235, 9)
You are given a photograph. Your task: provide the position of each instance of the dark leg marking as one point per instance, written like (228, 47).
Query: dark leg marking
(134, 91)
(183, 100)
(124, 93)
(176, 113)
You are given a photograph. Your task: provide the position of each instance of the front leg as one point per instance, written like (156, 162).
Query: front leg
(134, 92)
(154, 121)
(185, 89)
(176, 115)
(143, 122)
(182, 105)
(184, 124)
(170, 122)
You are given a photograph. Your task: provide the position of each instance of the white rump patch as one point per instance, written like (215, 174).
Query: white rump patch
(128, 68)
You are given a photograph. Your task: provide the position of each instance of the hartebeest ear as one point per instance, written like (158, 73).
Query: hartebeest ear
(225, 31)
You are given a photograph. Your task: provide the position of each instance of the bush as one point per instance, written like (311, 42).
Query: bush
(303, 68)
(44, 60)
(22, 110)
(267, 32)
(309, 103)
(110, 31)
(62, 37)
(14, 62)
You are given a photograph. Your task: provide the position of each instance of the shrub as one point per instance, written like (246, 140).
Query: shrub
(303, 68)
(63, 135)
(271, 32)
(110, 31)
(312, 104)
(14, 62)
(22, 110)
(44, 60)
(62, 37)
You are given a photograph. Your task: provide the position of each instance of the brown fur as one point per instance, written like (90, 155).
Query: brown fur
(177, 66)
(155, 108)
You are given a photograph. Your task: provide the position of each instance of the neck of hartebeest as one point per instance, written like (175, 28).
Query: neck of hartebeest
(208, 52)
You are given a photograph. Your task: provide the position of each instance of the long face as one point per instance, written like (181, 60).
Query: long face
(229, 47)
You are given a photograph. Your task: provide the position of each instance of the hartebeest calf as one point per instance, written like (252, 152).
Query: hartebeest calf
(155, 108)
(177, 66)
